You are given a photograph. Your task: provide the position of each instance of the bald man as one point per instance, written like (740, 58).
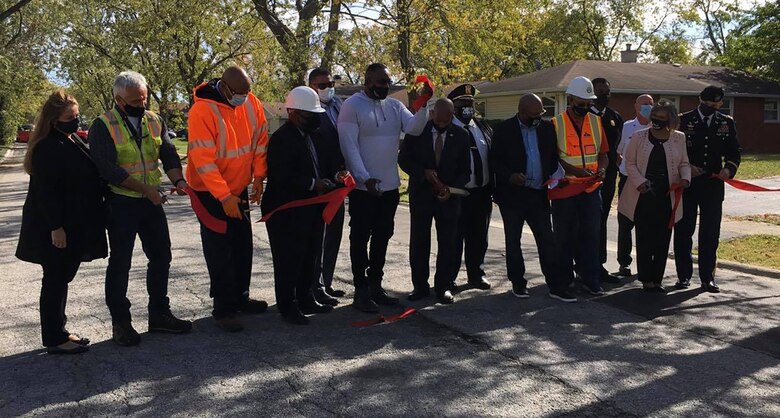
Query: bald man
(436, 161)
(524, 156)
(228, 136)
(642, 106)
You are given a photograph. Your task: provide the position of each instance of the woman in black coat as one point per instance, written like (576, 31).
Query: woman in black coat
(63, 220)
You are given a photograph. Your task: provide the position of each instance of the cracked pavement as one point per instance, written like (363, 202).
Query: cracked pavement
(624, 354)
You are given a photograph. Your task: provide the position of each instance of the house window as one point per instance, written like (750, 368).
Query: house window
(728, 106)
(549, 104)
(772, 110)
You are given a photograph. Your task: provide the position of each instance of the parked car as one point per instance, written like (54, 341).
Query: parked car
(23, 133)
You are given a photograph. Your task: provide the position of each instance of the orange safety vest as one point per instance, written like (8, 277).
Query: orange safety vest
(579, 151)
(226, 146)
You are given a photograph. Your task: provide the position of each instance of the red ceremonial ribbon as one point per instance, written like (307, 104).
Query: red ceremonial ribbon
(577, 185)
(422, 100)
(207, 219)
(381, 319)
(332, 199)
(745, 186)
(677, 189)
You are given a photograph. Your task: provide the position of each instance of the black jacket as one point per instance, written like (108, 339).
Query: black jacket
(613, 128)
(65, 191)
(711, 147)
(290, 166)
(417, 155)
(507, 156)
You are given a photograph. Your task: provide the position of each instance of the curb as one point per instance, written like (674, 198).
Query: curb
(742, 268)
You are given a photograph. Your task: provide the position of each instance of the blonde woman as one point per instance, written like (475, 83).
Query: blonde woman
(63, 217)
(656, 159)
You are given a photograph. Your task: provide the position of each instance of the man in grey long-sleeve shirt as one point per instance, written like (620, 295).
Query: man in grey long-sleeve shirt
(370, 126)
(126, 144)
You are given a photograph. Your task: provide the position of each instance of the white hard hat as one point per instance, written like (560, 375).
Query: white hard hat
(304, 98)
(581, 87)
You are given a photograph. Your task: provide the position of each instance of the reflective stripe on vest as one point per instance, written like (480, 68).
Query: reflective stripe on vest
(569, 142)
(141, 163)
(256, 130)
(222, 136)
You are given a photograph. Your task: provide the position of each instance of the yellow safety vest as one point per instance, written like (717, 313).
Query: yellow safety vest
(140, 163)
(579, 150)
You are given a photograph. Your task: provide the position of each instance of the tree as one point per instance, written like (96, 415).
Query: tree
(754, 45)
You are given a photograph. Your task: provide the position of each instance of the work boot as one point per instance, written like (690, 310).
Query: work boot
(167, 323)
(380, 296)
(125, 335)
(253, 306)
(363, 302)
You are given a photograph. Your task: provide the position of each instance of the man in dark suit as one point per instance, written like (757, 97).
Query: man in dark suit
(715, 155)
(613, 128)
(321, 80)
(300, 166)
(524, 156)
(436, 161)
(476, 208)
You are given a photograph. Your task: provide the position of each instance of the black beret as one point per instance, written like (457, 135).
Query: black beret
(712, 94)
(463, 91)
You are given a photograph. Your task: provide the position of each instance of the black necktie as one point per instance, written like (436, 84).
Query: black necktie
(478, 175)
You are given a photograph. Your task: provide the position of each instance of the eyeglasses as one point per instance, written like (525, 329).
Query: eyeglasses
(323, 86)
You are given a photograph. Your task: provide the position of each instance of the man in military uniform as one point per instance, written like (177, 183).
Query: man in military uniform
(714, 154)
(476, 208)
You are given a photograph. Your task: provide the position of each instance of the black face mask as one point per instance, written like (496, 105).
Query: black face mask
(580, 111)
(380, 93)
(706, 110)
(465, 113)
(601, 100)
(68, 127)
(440, 129)
(134, 111)
(659, 124)
(309, 123)
(534, 122)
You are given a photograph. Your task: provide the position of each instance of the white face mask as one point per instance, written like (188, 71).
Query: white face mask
(326, 95)
(237, 100)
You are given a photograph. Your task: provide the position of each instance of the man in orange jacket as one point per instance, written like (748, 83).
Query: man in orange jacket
(228, 136)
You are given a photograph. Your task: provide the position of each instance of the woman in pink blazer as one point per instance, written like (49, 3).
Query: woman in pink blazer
(656, 159)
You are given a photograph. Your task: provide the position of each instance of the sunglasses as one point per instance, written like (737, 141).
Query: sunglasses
(322, 86)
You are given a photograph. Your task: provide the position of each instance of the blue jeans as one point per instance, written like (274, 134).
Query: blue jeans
(128, 217)
(577, 230)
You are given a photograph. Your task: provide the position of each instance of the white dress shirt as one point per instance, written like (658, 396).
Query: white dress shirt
(482, 147)
(629, 128)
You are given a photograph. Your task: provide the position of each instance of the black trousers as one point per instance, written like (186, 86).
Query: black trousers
(371, 219)
(536, 212)
(295, 236)
(576, 229)
(625, 225)
(607, 195)
(447, 257)
(57, 273)
(128, 217)
(651, 220)
(705, 197)
(228, 257)
(326, 264)
(473, 226)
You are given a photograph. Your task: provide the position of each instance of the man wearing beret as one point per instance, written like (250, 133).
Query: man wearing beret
(714, 154)
(476, 208)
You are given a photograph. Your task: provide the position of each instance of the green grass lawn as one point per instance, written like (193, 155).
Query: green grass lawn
(768, 218)
(404, 184)
(756, 166)
(181, 145)
(758, 250)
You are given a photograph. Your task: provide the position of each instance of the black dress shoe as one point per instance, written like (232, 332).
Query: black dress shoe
(480, 283)
(362, 301)
(311, 307)
(520, 289)
(380, 296)
(623, 272)
(295, 317)
(419, 294)
(125, 335)
(445, 297)
(654, 289)
(710, 287)
(607, 277)
(253, 306)
(682, 284)
(335, 293)
(324, 298)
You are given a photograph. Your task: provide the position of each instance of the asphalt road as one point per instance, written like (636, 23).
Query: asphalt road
(489, 354)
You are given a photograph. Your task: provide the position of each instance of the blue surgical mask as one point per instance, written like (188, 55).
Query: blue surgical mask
(237, 100)
(645, 110)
